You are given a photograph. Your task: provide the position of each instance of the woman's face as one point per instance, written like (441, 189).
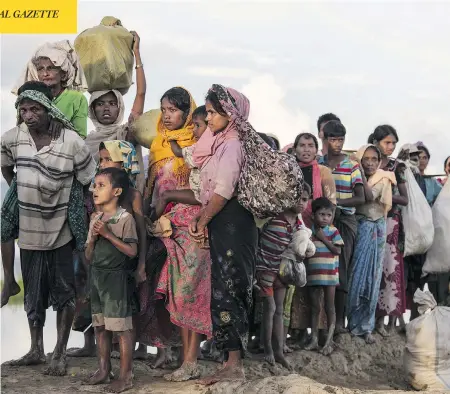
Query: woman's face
(370, 161)
(423, 161)
(106, 109)
(105, 160)
(447, 167)
(173, 117)
(306, 150)
(387, 145)
(216, 122)
(48, 73)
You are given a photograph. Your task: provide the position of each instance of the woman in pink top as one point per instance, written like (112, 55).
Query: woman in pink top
(231, 228)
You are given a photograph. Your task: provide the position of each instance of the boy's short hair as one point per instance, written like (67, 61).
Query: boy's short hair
(200, 111)
(326, 118)
(334, 128)
(307, 189)
(322, 203)
(119, 178)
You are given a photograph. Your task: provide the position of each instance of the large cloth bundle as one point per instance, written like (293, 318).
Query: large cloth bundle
(106, 56)
(426, 359)
(438, 256)
(144, 128)
(417, 218)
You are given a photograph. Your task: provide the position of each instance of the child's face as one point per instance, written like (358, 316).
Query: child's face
(105, 160)
(104, 192)
(323, 217)
(200, 126)
(106, 109)
(302, 203)
(335, 144)
(173, 117)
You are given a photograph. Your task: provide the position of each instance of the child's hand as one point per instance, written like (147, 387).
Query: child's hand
(320, 235)
(101, 228)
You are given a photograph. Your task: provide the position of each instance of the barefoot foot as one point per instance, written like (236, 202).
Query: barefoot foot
(33, 357)
(287, 349)
(313, 345)
(161, 359)
(99, 377)
(340, 330)
(327, 349)
(10, 289)
(227, 373)
(383, 332)
(82, 352)
(58, 365)
(369, 339)
(280, 359)
(119, 385)
(269, 358)
(186, 372)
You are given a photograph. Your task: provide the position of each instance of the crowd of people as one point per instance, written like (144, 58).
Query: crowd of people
(166, 256)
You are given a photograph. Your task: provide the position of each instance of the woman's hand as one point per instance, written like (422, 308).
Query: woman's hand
(197, 230)
(136, 41)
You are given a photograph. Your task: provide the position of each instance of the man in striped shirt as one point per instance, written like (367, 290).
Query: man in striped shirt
(47, 156)
(349, 194)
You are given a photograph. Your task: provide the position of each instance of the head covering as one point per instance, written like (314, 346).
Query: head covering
(124, 152)
(237, 108)
(386, 177)
(161, 152)
(61, 54)
(42, 99)
(115, 131)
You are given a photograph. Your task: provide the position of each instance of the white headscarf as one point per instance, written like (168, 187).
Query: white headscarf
(62, 54)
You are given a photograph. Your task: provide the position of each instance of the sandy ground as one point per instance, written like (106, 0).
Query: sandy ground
(353, 368)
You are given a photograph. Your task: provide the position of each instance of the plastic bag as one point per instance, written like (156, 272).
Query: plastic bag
(292, 272)
(144, 128)
(417, 218)
(106, 55)
(438, 256)
(426, 359)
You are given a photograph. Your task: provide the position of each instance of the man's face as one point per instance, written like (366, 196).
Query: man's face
(33, 114)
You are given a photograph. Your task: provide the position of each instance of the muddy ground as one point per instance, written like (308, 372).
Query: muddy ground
(354, 367)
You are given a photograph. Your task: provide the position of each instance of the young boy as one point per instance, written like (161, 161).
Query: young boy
(111, 244)
(275, 238)
(349, 194)
(323, 270)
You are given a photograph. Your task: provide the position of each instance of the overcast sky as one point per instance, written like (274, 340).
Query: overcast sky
(370, 63)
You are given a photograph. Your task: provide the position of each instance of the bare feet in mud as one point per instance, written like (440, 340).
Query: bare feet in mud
(33, 357)
(99, 377)
(287, 349)
(120, 385)
(58, 365)
(226, 373)
(269, 358)
(340, 330)
(327, 349)
(381, 329)
(82, 351)
(9, 290)
(280, 359)
(186, 372)
(369, 338)
(313, 345)
(162, 359)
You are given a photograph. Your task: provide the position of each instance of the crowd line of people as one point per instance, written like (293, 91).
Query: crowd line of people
(168, 257)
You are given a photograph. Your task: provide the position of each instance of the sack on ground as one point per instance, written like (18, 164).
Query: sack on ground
(417, 219)
(144, 128)
(426, 359)
(292, 272)
(271, 181)
(438, 256)
(106, 55)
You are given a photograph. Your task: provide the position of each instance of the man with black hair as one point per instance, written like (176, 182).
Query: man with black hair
(321, 122)
(47, 155)
(349, 194)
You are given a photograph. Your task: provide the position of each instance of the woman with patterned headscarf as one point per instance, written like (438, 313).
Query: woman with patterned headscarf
(184, 285)
(232, 230)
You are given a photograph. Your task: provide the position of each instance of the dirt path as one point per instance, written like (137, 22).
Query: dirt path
(353, 368)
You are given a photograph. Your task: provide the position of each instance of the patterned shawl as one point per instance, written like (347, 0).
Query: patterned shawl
(124, 152)
(161, 152)
(42, 99)
(61, 54)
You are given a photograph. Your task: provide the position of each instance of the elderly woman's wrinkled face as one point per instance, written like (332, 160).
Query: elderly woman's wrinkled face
(370, 161)
(306, 150)
(48, 73)
(173, 117)
(106, 109)
(33, 114)
(216, 121)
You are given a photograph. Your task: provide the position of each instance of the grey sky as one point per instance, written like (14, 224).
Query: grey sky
(368, 62)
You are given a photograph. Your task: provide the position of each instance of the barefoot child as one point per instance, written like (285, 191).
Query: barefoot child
(111, 245)
(275, 238)
(323, 270)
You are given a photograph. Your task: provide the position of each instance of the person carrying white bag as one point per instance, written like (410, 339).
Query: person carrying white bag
(426, 359)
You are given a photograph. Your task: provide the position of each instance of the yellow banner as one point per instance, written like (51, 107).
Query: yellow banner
(38, 16)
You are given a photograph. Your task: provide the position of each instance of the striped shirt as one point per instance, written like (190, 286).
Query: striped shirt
(274, 240)
(347, 175)
(44, 180)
